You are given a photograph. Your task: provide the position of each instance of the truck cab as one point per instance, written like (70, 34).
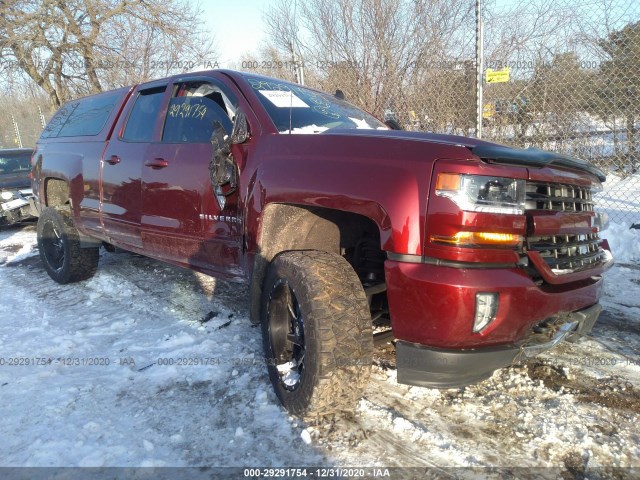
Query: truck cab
(466, 254)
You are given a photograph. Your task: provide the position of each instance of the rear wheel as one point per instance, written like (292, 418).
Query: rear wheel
(317, 332)
(60, 251)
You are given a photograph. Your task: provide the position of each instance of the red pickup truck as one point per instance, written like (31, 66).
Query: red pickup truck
(470, 254)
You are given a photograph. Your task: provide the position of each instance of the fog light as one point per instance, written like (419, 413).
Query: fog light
(486, 310)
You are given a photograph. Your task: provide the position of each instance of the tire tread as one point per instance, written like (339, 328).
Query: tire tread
(343, 326)
(83, 262)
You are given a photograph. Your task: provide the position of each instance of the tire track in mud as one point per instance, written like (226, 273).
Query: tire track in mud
(611, 392)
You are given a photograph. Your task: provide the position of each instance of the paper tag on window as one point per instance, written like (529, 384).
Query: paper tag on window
(283, 99)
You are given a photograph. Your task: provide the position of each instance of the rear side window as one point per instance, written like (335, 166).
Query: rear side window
(59, 119)
(85, 117)
(143, 116)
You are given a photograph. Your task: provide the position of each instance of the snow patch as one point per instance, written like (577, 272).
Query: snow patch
(25, 251)
(624, 242)
(307, 129)
(306, 436)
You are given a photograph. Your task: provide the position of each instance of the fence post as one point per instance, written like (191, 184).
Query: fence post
(298, 66)
(479, 67)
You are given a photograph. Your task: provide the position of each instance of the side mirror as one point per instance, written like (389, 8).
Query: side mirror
(223, 171)
(240, 132)
(393, 124)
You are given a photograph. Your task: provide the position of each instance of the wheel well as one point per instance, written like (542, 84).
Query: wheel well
(288, 227)
(56, 192)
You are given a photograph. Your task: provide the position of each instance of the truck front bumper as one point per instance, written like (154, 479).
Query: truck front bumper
(433, 306)
(448, 368)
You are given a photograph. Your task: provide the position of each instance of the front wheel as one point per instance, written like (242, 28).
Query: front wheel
(60, 251)
(316, 330)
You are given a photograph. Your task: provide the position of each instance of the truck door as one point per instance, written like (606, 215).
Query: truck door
(182, 221)
(122, 164)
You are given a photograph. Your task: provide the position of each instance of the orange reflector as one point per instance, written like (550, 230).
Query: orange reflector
(448, 181)
(463, 239)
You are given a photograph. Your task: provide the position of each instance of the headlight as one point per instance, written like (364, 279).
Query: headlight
(6, 195)
(478, 193)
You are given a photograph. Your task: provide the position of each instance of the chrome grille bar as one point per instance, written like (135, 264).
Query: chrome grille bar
(568, 252)
(558, 197)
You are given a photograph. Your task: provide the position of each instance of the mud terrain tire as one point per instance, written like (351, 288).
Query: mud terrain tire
(60, 251)
(316, 330)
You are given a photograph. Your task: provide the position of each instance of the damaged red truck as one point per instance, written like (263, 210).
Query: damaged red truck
(471, 254)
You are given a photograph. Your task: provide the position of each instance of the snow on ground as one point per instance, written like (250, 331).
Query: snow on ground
(150, 405)
(621, 198)
(624, 242)
(150, 365)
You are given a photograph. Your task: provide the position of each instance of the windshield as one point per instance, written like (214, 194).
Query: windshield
(14, 162)
(295, 109)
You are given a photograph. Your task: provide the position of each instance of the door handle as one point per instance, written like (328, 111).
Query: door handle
(156, 163)
(113, 159)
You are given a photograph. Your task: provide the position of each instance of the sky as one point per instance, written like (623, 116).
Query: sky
(237, 26)
(239, 29)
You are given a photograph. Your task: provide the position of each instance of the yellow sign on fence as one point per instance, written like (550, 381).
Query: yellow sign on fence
(497, 76)
(489, 110)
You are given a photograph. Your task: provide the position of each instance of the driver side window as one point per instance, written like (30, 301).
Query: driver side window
(193, 112)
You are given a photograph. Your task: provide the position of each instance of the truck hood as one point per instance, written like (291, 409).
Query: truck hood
(487, 151)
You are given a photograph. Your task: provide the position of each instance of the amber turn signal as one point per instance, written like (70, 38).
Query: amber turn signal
(467, 239)
(448, 182)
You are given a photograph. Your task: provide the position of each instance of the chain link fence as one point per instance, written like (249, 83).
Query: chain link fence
(561, 75)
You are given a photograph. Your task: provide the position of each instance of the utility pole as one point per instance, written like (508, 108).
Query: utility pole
(42, 121)
(18, 138)
(298, 63)
(479, 67)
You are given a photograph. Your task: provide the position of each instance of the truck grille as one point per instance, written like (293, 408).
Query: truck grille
(568, 252)
(558, 197)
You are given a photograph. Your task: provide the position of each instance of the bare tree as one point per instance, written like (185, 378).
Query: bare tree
(282, 24)
(75, 47)
(267, 61)
(618, 90)
(375, 51)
